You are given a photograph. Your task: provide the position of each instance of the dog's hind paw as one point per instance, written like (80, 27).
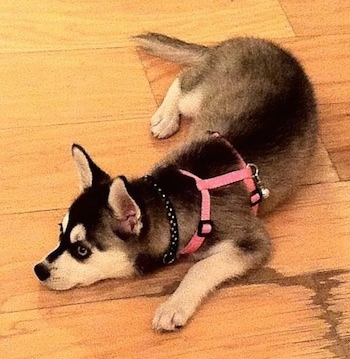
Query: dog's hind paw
(165, 123)
(169, 317)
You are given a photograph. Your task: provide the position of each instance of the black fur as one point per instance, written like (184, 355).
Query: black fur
(254, 94)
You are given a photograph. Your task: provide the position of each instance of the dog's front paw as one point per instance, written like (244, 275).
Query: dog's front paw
(165, 123)
(170, 316)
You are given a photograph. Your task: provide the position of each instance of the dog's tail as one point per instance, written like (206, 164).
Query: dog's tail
(171, 49)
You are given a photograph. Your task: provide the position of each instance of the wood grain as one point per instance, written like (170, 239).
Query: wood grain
(56, 25)
(55, 88)
(326, 203)
(69, 73)
(103, 330)
(335, 126)
(325, 59)
(340, 306)
(317, 17)
(317, 230)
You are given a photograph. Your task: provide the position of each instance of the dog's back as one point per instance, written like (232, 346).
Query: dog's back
(253, 93)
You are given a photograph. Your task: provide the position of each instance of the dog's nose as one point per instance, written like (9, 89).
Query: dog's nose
(41, 271)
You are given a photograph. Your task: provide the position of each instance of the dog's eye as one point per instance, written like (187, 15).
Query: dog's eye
(81, 252)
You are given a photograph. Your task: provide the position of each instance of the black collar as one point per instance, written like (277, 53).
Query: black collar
(170, 254)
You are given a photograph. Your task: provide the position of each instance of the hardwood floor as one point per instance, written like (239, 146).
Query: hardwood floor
(69, 73)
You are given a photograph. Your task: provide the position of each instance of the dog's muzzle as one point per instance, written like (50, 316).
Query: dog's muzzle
(41, 271)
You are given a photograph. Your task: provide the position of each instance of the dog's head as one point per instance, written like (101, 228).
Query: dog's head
(92, 240)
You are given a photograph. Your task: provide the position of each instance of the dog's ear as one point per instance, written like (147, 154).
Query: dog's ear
(127, 213)
(90, 174)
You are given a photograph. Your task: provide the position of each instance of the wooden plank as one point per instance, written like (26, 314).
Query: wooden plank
(41, 173)
(44, 165)
(92, 115)
(321, 168)
(335, 126)
(317, 17)
(310, 234)
(326, 62)
(41, 25)
(47, 88)
(341, 160)
(160, 74)
(285, 323)
(340, 306)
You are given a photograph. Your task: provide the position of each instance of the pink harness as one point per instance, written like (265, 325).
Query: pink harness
(248, 174)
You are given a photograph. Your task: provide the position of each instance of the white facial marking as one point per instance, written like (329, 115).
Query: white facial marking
(67, 272)
(65, 222)
(78, 233)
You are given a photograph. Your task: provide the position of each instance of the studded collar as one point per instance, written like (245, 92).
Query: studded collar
(170, 254)
(248, 174)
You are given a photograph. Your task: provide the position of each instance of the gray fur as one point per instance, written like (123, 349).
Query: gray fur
(258, 97)
(171, 49)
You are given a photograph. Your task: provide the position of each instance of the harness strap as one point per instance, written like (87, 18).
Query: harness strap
(248, 173)
(205, 225)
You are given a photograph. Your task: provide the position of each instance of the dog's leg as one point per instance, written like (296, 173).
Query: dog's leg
(165, 122)
(227, 261)
(202, 278)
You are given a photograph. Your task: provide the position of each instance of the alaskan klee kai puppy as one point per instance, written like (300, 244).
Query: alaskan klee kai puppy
(251, 103)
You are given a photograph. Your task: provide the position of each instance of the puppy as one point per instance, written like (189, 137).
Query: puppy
(258, 102)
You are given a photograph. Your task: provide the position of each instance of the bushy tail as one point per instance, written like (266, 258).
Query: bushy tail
(171, 49)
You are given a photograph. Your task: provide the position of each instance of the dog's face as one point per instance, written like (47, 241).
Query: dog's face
(94, 232)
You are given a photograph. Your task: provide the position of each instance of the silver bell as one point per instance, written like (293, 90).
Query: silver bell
(265, 192)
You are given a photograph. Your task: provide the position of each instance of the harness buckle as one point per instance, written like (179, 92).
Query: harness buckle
(260, 190)
(256, 192)
(205, 227)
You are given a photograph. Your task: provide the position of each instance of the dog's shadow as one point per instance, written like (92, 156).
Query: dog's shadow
(320, 282)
